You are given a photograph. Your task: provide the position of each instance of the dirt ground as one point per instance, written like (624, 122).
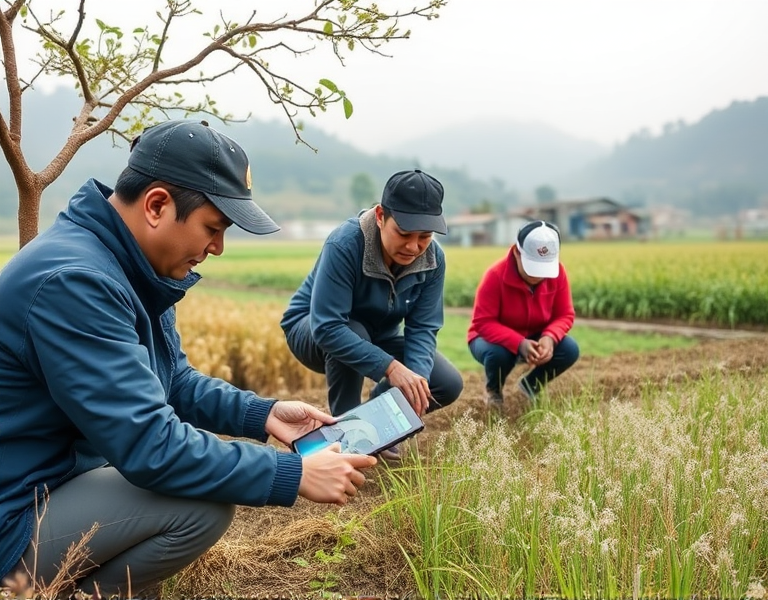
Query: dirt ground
(271, 552)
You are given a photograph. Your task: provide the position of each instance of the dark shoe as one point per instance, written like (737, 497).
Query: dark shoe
(494, 398)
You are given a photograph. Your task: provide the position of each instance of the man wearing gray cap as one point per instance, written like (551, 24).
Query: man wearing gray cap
(102, 419)
(377, 273)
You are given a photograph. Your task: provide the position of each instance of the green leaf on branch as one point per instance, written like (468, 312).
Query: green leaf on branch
(328, 84)
(347, 107)
(328, 28)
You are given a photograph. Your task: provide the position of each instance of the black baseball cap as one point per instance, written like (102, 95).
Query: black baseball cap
(193, 155)
(415, 200)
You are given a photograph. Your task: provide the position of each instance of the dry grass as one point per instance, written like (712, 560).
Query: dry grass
(243, 344)
(74, 565)
(299, 549)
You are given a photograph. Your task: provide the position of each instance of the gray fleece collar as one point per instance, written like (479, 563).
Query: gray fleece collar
(373, 258)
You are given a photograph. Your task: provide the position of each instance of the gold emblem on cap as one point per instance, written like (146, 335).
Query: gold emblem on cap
(248, 177)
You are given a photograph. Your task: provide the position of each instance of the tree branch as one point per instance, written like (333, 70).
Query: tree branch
(11, 72)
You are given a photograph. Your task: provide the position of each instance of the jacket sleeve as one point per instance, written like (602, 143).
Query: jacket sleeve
(82, 341)
(486, 314)
(563, 313)
(215, 405)
(423, 323)
(330, 307)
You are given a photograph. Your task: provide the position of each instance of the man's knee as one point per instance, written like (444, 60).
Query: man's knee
(217, 521)
(454, 385)
(569, 350)
(448, 388)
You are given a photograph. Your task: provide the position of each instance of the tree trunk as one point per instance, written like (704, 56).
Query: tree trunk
(29, 212)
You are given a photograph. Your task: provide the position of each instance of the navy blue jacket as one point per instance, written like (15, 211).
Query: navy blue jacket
(351, 282)
(92, 372)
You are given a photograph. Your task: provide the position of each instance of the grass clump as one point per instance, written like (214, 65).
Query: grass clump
(662, 498)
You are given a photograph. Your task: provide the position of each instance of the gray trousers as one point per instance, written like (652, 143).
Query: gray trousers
(152, 535)
(345, 384)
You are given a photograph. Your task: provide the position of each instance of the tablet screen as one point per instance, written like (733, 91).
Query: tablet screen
(366, 429)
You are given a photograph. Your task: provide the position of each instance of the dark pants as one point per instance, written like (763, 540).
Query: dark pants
(498, 362)
(142, 537)
(345, 385)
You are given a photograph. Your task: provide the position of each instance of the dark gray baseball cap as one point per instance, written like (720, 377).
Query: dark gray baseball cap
(415, 200)
(193, 155)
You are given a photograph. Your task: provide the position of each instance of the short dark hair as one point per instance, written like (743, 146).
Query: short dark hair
(130, 184)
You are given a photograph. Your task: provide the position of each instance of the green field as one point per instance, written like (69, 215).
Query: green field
(720, 283)
(452, 339)
(708, 283)
(712, 283)
(659, 492)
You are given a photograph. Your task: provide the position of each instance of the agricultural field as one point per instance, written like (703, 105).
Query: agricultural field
(8, 247)
(641, 472)
(629, 479)
(705, 283)
(702, 283)
(637, 475)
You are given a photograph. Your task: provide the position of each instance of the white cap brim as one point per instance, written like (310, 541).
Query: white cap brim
(538, 268)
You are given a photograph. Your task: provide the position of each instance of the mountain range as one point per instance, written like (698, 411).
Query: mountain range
(523, 155)
(711, 167)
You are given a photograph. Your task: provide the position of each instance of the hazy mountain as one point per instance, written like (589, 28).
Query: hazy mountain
(712, 167)
(523, 155)
(291, 180)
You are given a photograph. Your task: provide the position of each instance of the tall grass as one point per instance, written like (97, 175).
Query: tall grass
(662, 498)
(703, 282)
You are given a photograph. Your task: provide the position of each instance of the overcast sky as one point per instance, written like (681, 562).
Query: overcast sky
(596, 69)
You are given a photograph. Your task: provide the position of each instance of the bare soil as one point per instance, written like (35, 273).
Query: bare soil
(264, 553)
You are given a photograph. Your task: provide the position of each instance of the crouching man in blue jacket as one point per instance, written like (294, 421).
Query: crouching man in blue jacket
(102, 419)
(373, 304)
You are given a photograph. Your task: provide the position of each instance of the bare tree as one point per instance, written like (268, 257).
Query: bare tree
(112, 77)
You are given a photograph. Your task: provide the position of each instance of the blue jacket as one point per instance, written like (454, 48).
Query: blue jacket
(351, 282)
(91, 372)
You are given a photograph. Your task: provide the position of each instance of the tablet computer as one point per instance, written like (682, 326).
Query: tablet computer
(375, 425)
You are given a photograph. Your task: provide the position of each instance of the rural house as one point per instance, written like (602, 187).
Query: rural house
(753, 222)
(586, 219)
(591, 219)
(486, 229)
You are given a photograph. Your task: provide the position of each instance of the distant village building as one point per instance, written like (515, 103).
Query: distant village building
(583, 219)
(305, 230)
(485, 229)
(753, 222)
(591, 219)
(669, 221)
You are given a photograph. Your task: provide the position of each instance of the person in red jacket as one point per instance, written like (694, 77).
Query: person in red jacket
(523, 311)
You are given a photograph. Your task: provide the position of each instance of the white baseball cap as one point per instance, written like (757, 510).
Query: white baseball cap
(539, 245)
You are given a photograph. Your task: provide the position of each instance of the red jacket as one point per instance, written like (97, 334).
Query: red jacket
(506, 311)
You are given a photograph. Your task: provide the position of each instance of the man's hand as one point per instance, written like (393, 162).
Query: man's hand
(529, 350)
(537, 353)
(414, 387)
(290, 419)
(330, 477)
(546, 348)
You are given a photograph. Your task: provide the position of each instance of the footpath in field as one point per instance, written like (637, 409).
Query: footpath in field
(715, 333)
(684, 330)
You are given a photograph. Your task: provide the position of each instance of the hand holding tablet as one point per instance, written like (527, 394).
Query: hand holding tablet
(375, 425)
